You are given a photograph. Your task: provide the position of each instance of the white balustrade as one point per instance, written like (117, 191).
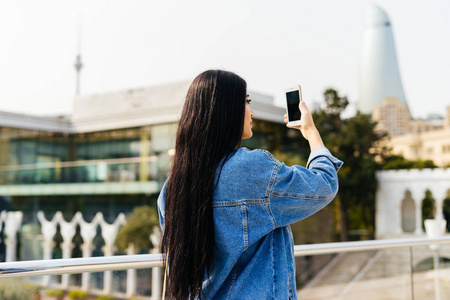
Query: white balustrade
(68, 230)
(88, 232)
(109, 232)
(13, 221)
(48, 229)
(393, 186)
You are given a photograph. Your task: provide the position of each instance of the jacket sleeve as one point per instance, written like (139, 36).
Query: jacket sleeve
(298, 192)
(161, 205)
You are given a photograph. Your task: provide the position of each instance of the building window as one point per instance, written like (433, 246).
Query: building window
(445, 148)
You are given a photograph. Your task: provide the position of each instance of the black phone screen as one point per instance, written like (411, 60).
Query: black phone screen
(293, 100)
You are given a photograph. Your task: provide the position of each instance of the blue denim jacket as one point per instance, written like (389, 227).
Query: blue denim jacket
(256, 199)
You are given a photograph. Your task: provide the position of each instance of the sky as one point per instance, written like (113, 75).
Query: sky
(271, 44)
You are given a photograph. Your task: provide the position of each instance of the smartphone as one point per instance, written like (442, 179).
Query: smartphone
(293, 98)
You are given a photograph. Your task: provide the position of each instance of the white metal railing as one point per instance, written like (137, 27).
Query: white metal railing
(144, 261)
(327, 248)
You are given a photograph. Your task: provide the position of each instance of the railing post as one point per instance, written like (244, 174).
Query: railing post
(411, 263)
(107, 275)
(437, 289)
(13, 222)
(109, 232)
(48, 229)
(131, 274)
(155, 238)
(88, 231)
(435, 228)
(68, 230)
(87, 249)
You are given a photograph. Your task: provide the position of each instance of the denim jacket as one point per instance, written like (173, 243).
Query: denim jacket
(255, 200)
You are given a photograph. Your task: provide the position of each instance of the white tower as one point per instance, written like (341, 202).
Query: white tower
(78, 62)
(379, 74)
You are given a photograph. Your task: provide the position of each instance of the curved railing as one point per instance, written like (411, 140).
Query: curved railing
(144, 261)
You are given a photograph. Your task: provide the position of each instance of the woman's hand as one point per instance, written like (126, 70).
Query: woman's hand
(307, 127)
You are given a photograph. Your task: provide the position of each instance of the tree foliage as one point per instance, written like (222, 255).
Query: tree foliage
(355, 142)
(137, 230)
(428, 207)
(398, 162)
(362, 149)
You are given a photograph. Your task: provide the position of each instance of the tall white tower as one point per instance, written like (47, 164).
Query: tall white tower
(379, 74)
(78, 62)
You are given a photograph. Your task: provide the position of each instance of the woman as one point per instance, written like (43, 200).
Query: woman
(225, 211)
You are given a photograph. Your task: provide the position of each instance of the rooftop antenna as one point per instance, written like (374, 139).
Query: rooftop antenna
(78, 63)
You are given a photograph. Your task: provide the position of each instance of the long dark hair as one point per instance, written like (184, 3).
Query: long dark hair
(210, 128)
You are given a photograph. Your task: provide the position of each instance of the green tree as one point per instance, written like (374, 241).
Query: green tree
(428, 207)
(363, 149)
(397, 162)
(354, 141)
(137, 230)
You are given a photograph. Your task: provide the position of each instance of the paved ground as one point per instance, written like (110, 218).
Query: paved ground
(390, 288)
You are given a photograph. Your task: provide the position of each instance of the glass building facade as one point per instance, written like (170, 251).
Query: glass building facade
(110, 168)
(110, 171)
(53, 171)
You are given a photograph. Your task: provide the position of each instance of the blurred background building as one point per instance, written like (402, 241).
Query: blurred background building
(113, 153)
(75, 163)
(382, 95)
